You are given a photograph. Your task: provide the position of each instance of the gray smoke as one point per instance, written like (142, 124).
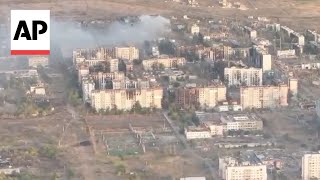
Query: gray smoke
(70, 35)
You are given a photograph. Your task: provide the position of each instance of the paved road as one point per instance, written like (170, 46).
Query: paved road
(85, 155)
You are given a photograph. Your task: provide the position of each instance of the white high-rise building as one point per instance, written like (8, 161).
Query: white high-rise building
(88, 86)
(155, 51)
(264, 96)
(129, 53)
(235, 76)
(34, 61)
(114, 65)
(261, 58)
(231, 168)
(293, 86)
(310, 166)
(125, 99)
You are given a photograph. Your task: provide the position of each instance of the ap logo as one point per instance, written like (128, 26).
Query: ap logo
(30, 32)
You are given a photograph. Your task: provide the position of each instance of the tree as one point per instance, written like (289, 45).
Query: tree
(114, 109)
(70, 173)
(122, 66)
(173, 112)
(54, 176)
(137, 107)
(137, 61)
(25, 176)
(191, 56)
(176, 84)
(171, 97)
(121, 169)
(49, 152)
(161, 67)
(195, 119)
(155, 66)
(74, 97)
(43, 75)
(186, 119)
(200, 38)
(167, 47)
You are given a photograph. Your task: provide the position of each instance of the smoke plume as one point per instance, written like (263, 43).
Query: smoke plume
(70, 35)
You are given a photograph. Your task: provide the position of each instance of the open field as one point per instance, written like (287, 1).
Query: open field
(291, 131)
(154, 121)
(296, 13)
(32, 134)
(145, 145)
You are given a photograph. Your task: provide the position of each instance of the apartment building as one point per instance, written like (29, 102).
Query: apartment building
(35, 61)
(155, 51)
(83, 70)
(25, 73)
(93, 62)
(247, 167)
(260, 58)
(114, 65)
(293, 86)
(204, 97)
(128, 53)
(78, 61)
(89, 57)
(102, 78)
(166, 61)
(87, 86)
(129, 65)
(251, 32)
(102, 53)
(235, 76)
(313, 35)
(124, 99)
(295, 36)
(88, 53)
(264, 96)
(311, 166)
(130, 84)
(186, 97)
(209, 53)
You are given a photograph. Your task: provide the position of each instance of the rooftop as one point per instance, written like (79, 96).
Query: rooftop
(239, 117)
(247, 158)
(236, 67)
(217, 118)
(208, 118)
(197, 128)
